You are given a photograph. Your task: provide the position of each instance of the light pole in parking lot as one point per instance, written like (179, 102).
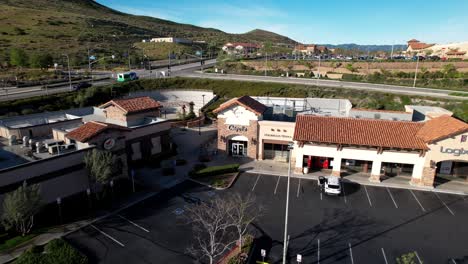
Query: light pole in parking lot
(285, 242)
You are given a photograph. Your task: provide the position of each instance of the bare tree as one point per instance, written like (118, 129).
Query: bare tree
(212, 228)
(243, 211)
(20, 206)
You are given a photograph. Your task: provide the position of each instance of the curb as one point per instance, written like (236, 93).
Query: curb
(217, 188)
(368, 183)
(130, 204)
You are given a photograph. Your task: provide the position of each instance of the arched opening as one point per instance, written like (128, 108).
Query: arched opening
(237, 146)
(451, 170)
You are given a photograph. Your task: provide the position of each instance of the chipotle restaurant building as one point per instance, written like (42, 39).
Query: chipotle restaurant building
(341, 145)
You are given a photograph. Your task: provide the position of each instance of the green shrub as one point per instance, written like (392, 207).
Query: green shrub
(216, 170)
(58, 251)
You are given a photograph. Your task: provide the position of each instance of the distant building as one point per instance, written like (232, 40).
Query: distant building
(48, 148)
(172, 40)
(311, 49)
(447, 51)
(240, 48)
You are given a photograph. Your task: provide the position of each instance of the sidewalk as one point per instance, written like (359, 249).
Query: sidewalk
(281, 169)
(64, 230)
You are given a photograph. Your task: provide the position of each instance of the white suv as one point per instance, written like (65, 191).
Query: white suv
(333, 185)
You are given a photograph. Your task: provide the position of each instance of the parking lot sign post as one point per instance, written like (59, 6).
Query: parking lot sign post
(263, 253)
(299, 258)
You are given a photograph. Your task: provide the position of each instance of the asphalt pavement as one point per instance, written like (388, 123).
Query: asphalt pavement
(439, 93)
(364, 225)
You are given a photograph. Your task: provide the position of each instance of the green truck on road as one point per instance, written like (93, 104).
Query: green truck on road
(127, 76)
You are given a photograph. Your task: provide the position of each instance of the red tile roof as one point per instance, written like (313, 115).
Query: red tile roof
(245, 101)
(133, 105)
(419, 45)
(361, 132)
(441, 127)
(413, 40)
(92, 129)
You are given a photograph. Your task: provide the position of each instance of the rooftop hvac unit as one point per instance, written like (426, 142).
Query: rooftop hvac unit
(289, 113)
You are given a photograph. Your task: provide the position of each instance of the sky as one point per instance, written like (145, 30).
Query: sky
(315, 21)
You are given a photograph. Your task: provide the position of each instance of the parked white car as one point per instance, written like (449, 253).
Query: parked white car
(333, 185)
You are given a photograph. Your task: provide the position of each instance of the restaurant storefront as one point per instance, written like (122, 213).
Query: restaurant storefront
(380, 149)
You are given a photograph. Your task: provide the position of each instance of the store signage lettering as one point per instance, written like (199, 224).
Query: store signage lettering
(237, 128)
(278, 136)
(455, 152)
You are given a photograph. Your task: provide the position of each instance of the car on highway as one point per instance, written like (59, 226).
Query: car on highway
(81, 85)
(127, 76)
(332, 185)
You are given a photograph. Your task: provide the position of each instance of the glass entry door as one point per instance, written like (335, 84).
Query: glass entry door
(238, 149)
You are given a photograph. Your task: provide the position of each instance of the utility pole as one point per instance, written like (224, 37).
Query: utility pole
(318, 70)
(416, 72)
(391, 54)
(69, 73)
(128, 55)
(285, 242)
(266, 63)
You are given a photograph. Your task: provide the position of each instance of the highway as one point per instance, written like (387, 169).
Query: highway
(191, 70)
(439, 93)
(13, 93)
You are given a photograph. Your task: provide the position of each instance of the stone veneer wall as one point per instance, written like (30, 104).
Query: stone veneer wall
(252, 133)
(427, 179)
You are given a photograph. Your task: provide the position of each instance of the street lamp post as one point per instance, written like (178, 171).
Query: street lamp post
(69, 73)
(285, 242)
(318, 70)
(416, 72)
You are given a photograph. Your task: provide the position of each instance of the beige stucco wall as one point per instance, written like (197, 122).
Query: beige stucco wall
(371, 154)
(274, 130)
(453, 143)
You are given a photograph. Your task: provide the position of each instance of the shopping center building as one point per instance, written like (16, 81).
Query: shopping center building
(331, 137)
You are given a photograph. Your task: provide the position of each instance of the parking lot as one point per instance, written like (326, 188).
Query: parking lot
(363, 225)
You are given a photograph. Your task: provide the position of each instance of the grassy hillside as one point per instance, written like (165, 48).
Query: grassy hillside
(58, 26)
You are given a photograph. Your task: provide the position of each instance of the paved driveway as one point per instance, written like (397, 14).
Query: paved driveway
(365, 225)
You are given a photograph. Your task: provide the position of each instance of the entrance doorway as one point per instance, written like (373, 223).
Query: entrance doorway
(238, 148)
(390, 169)
(452, 170)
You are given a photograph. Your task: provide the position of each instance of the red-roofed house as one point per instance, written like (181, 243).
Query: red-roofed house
(130, 111)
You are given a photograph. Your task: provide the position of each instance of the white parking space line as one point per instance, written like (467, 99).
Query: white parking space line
(368, 197)
(344, 193)
(255, 184)
(438, 197)
(318, 251)
(391, 196)
(133, 223)
(453, 261)
(414, 195)
(351, 253)
(417, 256)
(108, 236)
(298, 187)
(279, 177)
(384, 257)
